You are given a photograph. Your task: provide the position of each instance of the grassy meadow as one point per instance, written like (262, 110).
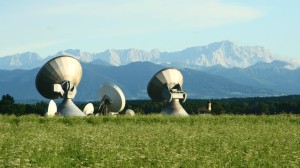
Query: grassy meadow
(150, 141)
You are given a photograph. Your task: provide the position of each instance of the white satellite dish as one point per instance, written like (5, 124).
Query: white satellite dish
(166, 85)
(88, 109)
(59, 78)
(52, 109)
(129, 112)
(112, 99)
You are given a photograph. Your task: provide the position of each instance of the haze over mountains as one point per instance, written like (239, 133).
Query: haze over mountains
(225, 53)
(218, 70)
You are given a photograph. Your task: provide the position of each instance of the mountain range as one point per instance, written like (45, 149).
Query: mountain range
(218, 70)
(225, 53)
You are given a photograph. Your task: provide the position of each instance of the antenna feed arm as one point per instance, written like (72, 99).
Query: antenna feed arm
(71, 93)
(169, 95)
(65, 90)
(58, 89)
(184, 97)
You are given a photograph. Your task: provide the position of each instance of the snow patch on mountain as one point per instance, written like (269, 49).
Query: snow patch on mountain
(294, 63)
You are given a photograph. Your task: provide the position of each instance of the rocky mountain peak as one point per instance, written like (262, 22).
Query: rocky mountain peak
(20, 61)
(82, 56)
(228, 54)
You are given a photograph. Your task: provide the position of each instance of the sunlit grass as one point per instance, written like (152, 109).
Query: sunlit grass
(151, 141)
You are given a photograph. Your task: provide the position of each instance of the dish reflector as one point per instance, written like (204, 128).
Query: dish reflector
(56, 71)
(52, 109)
(129, 112)
(111, 97)
(166, 85)
(88, 109)
(168, 77)
(58, 78)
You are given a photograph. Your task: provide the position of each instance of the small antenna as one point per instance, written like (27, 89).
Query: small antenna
(112, 99)
(88, 109)
(52, 109)
(129, 112)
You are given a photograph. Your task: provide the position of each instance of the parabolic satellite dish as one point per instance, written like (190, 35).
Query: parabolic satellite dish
(58, 78)
(52, 109)
(112, 99)
(88, 109)
(166, 85)
(129, 112)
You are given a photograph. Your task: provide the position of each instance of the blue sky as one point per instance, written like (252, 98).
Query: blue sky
(47, 27)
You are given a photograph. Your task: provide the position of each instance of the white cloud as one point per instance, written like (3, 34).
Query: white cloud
(156, 14)
(294, 63)
(94, 20)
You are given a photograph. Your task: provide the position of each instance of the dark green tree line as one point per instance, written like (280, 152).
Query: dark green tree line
(255, 105)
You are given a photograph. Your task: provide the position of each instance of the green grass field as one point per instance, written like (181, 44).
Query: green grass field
(150, 141)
